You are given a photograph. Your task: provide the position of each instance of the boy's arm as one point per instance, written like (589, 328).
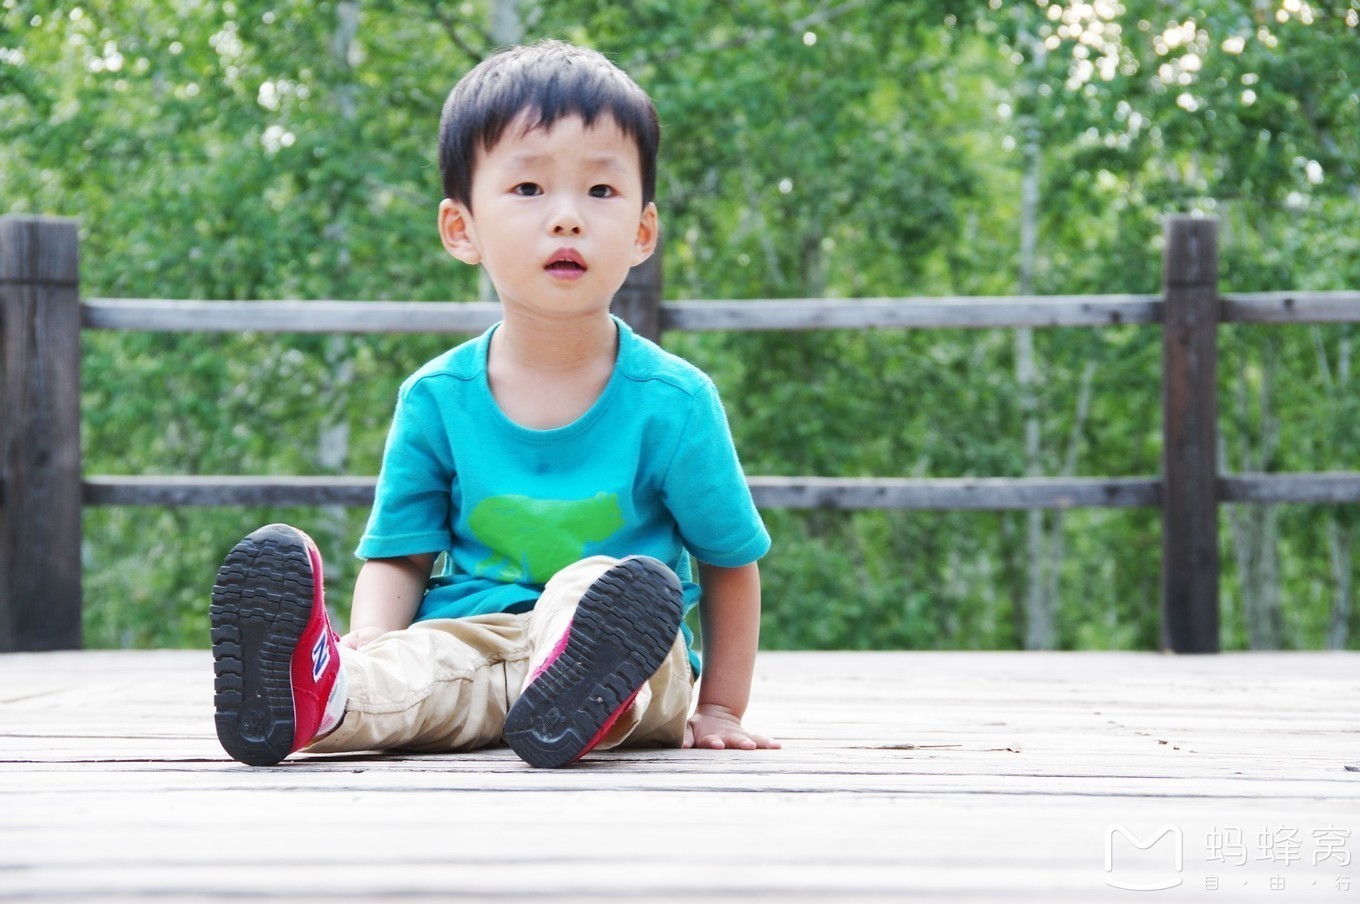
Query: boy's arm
(387, 593)
(729, 617)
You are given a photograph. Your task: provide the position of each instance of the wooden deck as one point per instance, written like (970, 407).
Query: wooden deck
(941, 776)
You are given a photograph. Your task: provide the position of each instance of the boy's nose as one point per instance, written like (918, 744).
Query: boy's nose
(567, 220)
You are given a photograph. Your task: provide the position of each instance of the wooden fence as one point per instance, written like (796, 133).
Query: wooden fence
(43, 489)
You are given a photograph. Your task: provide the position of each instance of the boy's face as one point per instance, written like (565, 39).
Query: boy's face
(556, 218)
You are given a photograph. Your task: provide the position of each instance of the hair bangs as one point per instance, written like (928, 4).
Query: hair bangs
(534, 87)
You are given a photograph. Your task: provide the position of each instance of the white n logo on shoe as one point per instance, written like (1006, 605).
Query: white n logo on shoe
(321, 656)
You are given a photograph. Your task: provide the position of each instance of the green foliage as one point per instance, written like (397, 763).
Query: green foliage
(230, 149)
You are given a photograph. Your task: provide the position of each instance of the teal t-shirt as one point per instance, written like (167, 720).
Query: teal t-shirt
(649, 469)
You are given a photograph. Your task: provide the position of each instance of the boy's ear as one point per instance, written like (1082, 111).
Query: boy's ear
(647, 234)
(455, 231)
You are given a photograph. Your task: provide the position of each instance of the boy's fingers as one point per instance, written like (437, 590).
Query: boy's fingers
(753, 742)
(724, 737)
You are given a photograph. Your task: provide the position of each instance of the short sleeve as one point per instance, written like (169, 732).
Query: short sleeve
(412, 508)
(706, 492)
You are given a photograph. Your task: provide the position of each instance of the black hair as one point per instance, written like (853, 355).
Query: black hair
(545, 82)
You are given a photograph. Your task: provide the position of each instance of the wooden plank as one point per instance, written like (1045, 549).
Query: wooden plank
(843, 493)
(228, 490)
(757, 314)
(971, 312)
(289, 316)
(1291, 307)
(932, 776)
(1189, 430)
(992, 493)
(1327, 487)
(769, 492)
(978, 312)
(40, 510)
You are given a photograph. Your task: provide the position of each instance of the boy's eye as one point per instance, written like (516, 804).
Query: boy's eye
(601, 191)
(528, 189)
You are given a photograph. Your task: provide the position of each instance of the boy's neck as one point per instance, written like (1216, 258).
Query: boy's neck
(547, 373)
(536, 344)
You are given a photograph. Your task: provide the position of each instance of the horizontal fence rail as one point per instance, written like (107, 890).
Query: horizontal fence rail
(923, 312)
(149, 315)
(42, 490)
(684, 316)
(837, 493)
(843, 493)
(1323, 488)
(1291, 307)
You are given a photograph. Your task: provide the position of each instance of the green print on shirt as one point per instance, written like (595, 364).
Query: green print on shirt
(533, 539)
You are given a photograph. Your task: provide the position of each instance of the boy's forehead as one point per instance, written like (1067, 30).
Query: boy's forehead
(529, 124)
(525, 135)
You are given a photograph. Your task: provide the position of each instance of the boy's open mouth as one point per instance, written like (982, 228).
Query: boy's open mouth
(566, 262)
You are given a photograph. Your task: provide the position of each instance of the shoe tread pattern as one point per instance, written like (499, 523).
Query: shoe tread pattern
(621, 632)
(261, 603)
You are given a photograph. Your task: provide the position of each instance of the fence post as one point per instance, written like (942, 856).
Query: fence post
(40, 480)
(638, 301)
(1189, 436)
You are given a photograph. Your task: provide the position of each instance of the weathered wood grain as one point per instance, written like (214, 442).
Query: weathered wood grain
(325, 316)
(228, 490)
(1291, 307)
(842, 493)
(154, 315)
(1326, 488)
(40, 495)
(921, 312)
(974, 312)
(769, 492)
(991, 493)
(934, 776)
(1189, 431)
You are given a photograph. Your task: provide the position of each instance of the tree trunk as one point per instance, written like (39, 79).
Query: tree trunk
(1343, 598)
(1040, 633)
(1056, 546)
(1255, 528)
(333, 397)
(1336, 381)
(1039, 629)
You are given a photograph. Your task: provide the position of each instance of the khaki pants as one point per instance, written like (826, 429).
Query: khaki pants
(446, 684)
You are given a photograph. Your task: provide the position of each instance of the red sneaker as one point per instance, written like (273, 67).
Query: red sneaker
(274, 652)
(620, 634)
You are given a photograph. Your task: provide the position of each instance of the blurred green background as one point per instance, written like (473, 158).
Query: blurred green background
(270, 150)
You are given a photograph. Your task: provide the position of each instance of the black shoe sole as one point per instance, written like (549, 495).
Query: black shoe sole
(261, 603)
(621, 633)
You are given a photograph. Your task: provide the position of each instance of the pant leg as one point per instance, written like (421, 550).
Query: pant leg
(658, 714)
(440, 685)
(661, 723)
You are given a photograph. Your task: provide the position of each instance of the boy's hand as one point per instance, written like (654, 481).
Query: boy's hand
(357, 640)
(716, 728)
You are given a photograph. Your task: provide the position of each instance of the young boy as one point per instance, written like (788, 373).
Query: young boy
(563, 470)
